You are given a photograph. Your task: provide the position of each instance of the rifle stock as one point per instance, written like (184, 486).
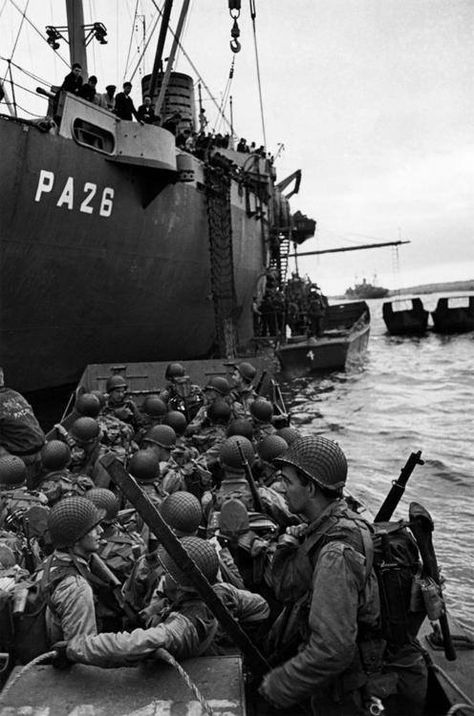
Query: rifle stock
(250, 479)
(398, 488)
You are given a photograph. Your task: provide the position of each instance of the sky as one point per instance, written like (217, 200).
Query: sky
(372, 99)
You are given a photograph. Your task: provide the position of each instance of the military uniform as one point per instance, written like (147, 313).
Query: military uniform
(341, 601)
(20, 432)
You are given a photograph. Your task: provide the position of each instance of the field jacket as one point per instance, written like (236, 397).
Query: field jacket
(341, 600)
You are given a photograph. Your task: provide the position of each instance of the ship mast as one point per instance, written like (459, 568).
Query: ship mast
(75, 24)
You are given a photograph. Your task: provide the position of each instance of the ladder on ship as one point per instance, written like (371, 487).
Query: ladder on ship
(280, 259)
(217, 187)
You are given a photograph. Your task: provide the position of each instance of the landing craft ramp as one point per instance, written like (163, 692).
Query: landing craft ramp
(151, 689)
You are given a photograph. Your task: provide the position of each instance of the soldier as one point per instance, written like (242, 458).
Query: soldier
(243, 392)
(118, 404)
(185, 627)
(86, 451)
(234, 483)
(262, 414)
(217, 388)
(20, 431)
(56, 479)
(327, 571)
(152, 412)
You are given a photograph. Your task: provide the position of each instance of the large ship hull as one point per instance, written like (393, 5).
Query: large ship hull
(82, 282)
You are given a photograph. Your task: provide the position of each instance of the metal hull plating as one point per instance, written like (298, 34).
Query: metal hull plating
(89, 278)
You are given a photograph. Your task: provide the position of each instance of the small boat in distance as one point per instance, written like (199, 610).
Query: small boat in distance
(405, 317)
(366, 290)
(454, 315)
(344, 339)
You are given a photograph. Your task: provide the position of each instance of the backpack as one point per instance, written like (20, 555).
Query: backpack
(23, 632)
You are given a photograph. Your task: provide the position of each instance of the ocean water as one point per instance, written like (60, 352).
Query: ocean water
(409, 394)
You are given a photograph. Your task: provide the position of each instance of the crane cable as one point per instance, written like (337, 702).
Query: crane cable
(253, 14)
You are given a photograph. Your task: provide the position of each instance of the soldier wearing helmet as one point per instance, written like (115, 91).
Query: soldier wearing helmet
(152, 412)
(117, 403)
(180, 394)
(86, 450)
(184, 625)
(262, 414)
(243, 391)
(20, 431)
(323, 565)
(57, 481)
(217, 388)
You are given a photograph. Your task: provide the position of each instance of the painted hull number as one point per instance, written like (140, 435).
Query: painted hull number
(89, 199)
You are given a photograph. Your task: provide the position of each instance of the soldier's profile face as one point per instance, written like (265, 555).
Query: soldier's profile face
(295, 493)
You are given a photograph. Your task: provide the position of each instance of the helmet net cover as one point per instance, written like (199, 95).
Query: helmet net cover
(105, 500)
(247, 371)
(12, 470)
(229, 452)
(319, 459)
(289, 434)
(219, 384)
(71, 519)
(182, 511)
(270, 447)
(202, 553)
(219, 411)
(55, 455)
(262, 410)
(174, 370)
(240, 426)
(85, 429)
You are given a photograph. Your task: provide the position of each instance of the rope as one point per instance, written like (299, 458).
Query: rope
(38, 31)
(23, 15)
(254, 14)
(131, 40)
(24, 670)
(141, 56)
(166, 656)
(453, 685)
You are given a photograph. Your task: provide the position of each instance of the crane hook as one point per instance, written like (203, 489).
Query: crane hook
(235, 33)
(235, 45)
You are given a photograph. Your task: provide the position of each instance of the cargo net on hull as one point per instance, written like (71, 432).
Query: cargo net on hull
(222, 263)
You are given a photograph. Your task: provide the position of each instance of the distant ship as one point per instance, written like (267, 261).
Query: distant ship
(115, 245)
(366, 290)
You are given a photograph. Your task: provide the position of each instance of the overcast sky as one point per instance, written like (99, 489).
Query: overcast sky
(372, 99)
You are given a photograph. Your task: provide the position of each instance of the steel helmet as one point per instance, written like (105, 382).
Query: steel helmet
(162, 435)
(12, 470)
(270, 447)
(262, 410)
(247, 371)
(55, 455)
(144, 466)
(105, 500)
(88, 404)
(100, 397)
(219, 411)
(72, 518)
(241, 426)
(219, 384)
(202, 553)
(182, 511)
(114, 382)
(154, 406)
(288, 434)
(319, 459)
(229, 453)
(85, 430)
(176, 420)
(174, 370)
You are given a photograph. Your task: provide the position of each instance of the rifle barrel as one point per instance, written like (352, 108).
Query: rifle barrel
(398, 488)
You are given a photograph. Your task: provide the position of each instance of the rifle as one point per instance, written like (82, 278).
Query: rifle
(173, 546)
(398, 488)
(28, 554)
(422, 527)
(250, 479)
